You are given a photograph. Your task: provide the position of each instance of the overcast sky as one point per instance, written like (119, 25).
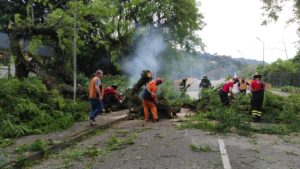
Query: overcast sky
(233, 25)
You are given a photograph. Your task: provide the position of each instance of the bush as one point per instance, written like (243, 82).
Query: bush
(282, 112)
(208, 100)
(170, 95)
(27, 107)
(291, 89)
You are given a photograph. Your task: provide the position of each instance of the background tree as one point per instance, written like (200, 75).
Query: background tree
(107, 30)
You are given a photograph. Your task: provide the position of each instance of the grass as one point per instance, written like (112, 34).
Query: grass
(37, 145)
(201, 148)
(5, 142)
(291, 153)
(100, 132)
(114, 143)
(79, 153)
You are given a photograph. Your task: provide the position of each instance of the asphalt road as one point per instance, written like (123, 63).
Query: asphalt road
(162, 146)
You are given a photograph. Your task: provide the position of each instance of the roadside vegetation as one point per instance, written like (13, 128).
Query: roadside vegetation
(290, 89)
(281, 115)
(27, 107)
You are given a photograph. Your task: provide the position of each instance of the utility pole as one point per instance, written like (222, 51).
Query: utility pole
(284, 46)
(74, 52)
(263, 50)
(242, 71)
(155, 64)
(32, 12)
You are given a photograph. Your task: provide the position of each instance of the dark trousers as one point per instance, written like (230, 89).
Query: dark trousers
(109, 101)
(257, 100)
(97, 107)
(224, 97)
(243, 91)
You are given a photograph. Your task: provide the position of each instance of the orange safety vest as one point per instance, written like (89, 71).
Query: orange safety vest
(92, 89)
(151, 87)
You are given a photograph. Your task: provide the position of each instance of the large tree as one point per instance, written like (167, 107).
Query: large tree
(273, 7)
(106, 28)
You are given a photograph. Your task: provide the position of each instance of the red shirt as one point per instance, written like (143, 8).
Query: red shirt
(257, 85)
(226, 86)
(109, 90)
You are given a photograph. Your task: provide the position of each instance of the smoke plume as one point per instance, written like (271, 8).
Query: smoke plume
(145, 56)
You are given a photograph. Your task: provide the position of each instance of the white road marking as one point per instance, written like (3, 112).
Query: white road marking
(224, 155)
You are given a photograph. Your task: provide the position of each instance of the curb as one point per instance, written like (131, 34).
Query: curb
(68, 141)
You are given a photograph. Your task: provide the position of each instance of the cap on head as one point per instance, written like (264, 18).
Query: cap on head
(115, 86)
(204, 77)
(257, 75)
(159, 81)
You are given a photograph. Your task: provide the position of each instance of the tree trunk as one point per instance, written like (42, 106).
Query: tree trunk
(23, 66)
(20, 62)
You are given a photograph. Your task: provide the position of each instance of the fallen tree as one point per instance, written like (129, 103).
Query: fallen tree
(54, 77)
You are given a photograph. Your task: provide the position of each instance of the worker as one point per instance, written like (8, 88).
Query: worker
(205, 82)
(227, 88)
(257, 90)
(243, 86)
(183, 84)
(150, 99)
(112, 97)
(95, 96)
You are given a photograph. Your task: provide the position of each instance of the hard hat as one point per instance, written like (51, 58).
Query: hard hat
(204, 77)
(159, 81)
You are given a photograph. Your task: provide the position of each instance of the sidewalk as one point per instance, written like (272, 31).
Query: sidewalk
(57, 140)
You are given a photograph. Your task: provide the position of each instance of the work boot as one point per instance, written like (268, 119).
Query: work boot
(92, 121)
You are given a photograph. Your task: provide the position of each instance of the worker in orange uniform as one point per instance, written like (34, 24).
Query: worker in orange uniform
(150, 99)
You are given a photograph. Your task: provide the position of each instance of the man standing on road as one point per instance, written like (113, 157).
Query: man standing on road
(150, 99)
(227, 88)
(95, 96)
(257, 90)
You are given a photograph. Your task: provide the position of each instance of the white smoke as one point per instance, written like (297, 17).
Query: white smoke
(145, 56)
